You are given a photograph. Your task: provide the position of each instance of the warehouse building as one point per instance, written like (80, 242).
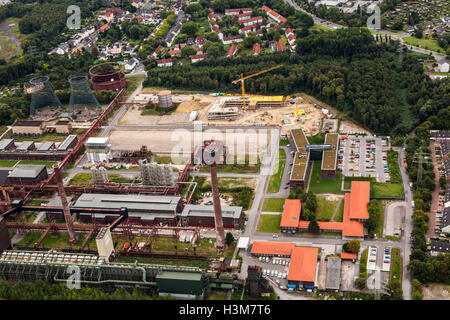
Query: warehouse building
(26, 146)
(69, 143)
(7, 144)
(333, 280)
(203, 216)
(303, 268)
(272, 249)
(183, 285)
(28, 127)
(46, 146)
(145, 210)
(27, 174)
(329, 158)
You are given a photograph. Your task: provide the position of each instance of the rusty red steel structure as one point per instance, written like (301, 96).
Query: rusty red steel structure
(65, 204)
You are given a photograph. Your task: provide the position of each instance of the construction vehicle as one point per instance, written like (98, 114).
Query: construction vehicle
(242, 79)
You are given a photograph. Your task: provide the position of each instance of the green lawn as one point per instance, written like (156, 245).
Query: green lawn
(317, 139)
(282, 154)
(427, 44)
(396, 265)
(269, 223)
(348, 181)
(217, 295)
(273, 205)
(321, 28)
(86, 178)
(339, 217)
(56, 240)
(178, 262)
(275, 179)
(132, 84)
(319, 185)
(379, 190)
(7, 163)
(284, 142)
(325, 209)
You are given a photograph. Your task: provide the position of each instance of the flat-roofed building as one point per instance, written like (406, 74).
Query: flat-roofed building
(291, 215)
(63, 126)
(142, 209)
(272, 249)
(27, 174)
(203, 216)
(7, 144)
(329, 157)
(301, 162)
(303, 267)
(98, 149)
(28, 127)
(333, 279)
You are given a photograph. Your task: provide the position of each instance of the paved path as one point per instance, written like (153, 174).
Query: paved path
(435, 198)
(336, 210)
(408, 226)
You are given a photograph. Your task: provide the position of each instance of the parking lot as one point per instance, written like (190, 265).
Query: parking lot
(364, 156)
(275, 269)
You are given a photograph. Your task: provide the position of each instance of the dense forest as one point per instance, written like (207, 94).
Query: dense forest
(379, 85)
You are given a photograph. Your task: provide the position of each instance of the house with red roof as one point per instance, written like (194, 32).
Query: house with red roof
(244, 16)
(231, 39)
(164, 63)
(303, 267)
(272, 249)
(355, 214)
(252, 21)
(274, 15)
(198, 57)
(290, 37)
(256, 49)
(280, 45)
(233, 12)
(104, 27)
(232, 51)
(291, 215)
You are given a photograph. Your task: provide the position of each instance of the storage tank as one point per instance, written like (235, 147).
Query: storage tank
(165, 99)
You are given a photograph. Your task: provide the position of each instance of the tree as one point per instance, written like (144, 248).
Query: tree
(188, 51)
(313, 226)
(394, 290)
(353, 246)
(190, 28)
(229, 238)
(360, 283)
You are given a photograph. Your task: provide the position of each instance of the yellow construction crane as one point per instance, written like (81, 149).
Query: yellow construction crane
(242, 79)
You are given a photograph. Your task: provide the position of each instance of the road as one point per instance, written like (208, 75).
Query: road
(408, 226)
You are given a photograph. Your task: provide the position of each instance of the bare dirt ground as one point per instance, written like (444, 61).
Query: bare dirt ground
(435, 291)
(182, 140)
(334, 197)
(133, 117)
(330, 125)
(188, 106)
(350, 127)
(235, 182)
(349, 272)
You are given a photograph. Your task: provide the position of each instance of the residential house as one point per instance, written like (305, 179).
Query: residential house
(164, 63)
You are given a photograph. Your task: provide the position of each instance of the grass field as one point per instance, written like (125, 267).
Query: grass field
(7, 163)
(319, 185)
(284, 142)
(275, 179)
(282, 154)
(178, 262)
(57, 240)
(339, 217)
(348, 181)
(380, 190)
(320, 28)
(86, 178)
(269, 223)
(12, 163)
(273, 204)
(396, 265)
(427, 44)
(325, 209)
(132, 84)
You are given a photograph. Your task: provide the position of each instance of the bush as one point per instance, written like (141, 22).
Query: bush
(360, 283)
(417, 295)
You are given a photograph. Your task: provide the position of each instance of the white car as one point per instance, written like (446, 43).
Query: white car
(274, 261)
(284, 275)
(260, 259)
(267, 259)
(276, 273)
(271, 273)
(280, 275)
